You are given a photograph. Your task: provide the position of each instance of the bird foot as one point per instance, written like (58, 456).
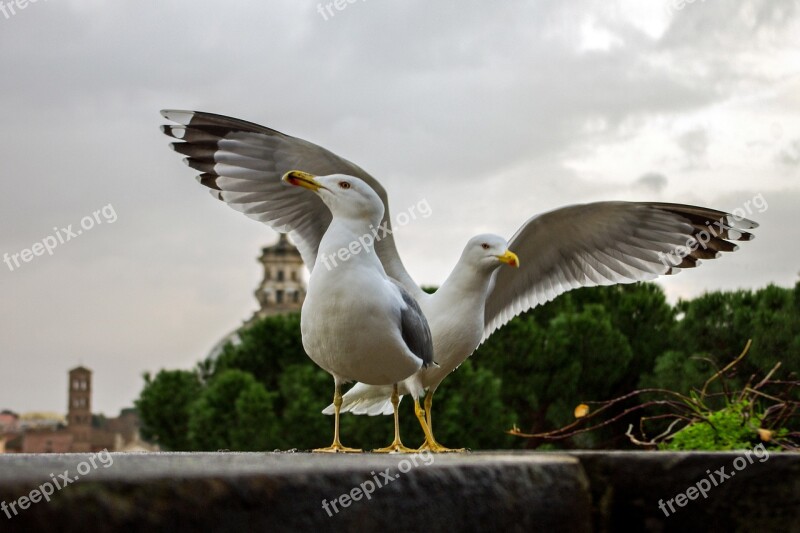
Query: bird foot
(435, 447)
(337, 447)
(395, 447)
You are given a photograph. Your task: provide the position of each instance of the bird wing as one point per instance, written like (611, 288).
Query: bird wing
(242, 164)
(414, 328)
(605, 243)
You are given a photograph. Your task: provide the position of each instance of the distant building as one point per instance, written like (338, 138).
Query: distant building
(9, 422)
(9, 428)
(79, 411)
(82, 432)
(283, 287)
(46, 440)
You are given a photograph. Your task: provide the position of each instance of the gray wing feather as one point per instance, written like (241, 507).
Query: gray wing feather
(415, 330)
(242, 164)
(604, 243)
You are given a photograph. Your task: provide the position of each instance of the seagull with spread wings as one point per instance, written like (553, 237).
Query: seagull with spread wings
(601, 243)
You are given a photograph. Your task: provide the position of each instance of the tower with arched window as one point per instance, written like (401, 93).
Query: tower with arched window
(79, 411)
(283, 287)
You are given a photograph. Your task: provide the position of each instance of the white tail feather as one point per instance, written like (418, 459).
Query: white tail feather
(364, 399)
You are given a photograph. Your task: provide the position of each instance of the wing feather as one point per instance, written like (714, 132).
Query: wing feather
(243, 162)
(605, 243)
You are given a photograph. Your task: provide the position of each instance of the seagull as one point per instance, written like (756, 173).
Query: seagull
(456, 317)
(584, 245)
(358, 324)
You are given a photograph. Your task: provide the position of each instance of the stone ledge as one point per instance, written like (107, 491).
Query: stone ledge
(627, 486)
(284, 492)
(483, 491)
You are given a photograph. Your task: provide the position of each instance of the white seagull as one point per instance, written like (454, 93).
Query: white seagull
(456, 317)
(601, 243)
(357, 324)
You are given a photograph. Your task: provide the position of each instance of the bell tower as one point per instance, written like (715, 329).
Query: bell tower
(79, 410)
(283, 288)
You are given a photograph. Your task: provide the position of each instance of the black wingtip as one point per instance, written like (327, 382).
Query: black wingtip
(209, 180)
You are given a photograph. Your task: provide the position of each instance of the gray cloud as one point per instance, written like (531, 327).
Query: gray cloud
(652, 182)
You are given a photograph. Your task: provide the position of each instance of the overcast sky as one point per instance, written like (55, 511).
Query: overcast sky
(489, 111)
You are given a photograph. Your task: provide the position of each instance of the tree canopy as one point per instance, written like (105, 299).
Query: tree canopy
(589, 344)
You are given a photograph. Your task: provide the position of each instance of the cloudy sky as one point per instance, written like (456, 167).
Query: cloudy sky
(489, 111)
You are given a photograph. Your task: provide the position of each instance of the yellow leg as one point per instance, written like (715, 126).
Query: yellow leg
(422, 422)
(426, 421)
(396, 446)
(337, 447)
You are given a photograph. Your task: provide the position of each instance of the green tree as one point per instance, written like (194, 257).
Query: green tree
(164, 406)
(586, 356)
(513, 354)
(233, 412)
(267, 348)
(546, 372)
(640, 312)
(589, 344)
(676, 371)
(255, 428)
(776, 327)
(305, 391)
(715, 324)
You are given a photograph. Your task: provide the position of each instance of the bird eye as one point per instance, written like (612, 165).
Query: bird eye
(485, 246)
(344, 184)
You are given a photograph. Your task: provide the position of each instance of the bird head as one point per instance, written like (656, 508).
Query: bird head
(488, 252)
(346, 196)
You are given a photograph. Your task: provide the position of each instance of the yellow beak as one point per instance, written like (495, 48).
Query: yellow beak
(509, 258)
(298, 178)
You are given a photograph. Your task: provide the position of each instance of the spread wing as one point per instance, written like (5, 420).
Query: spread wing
(242, 164)
(605, 243)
